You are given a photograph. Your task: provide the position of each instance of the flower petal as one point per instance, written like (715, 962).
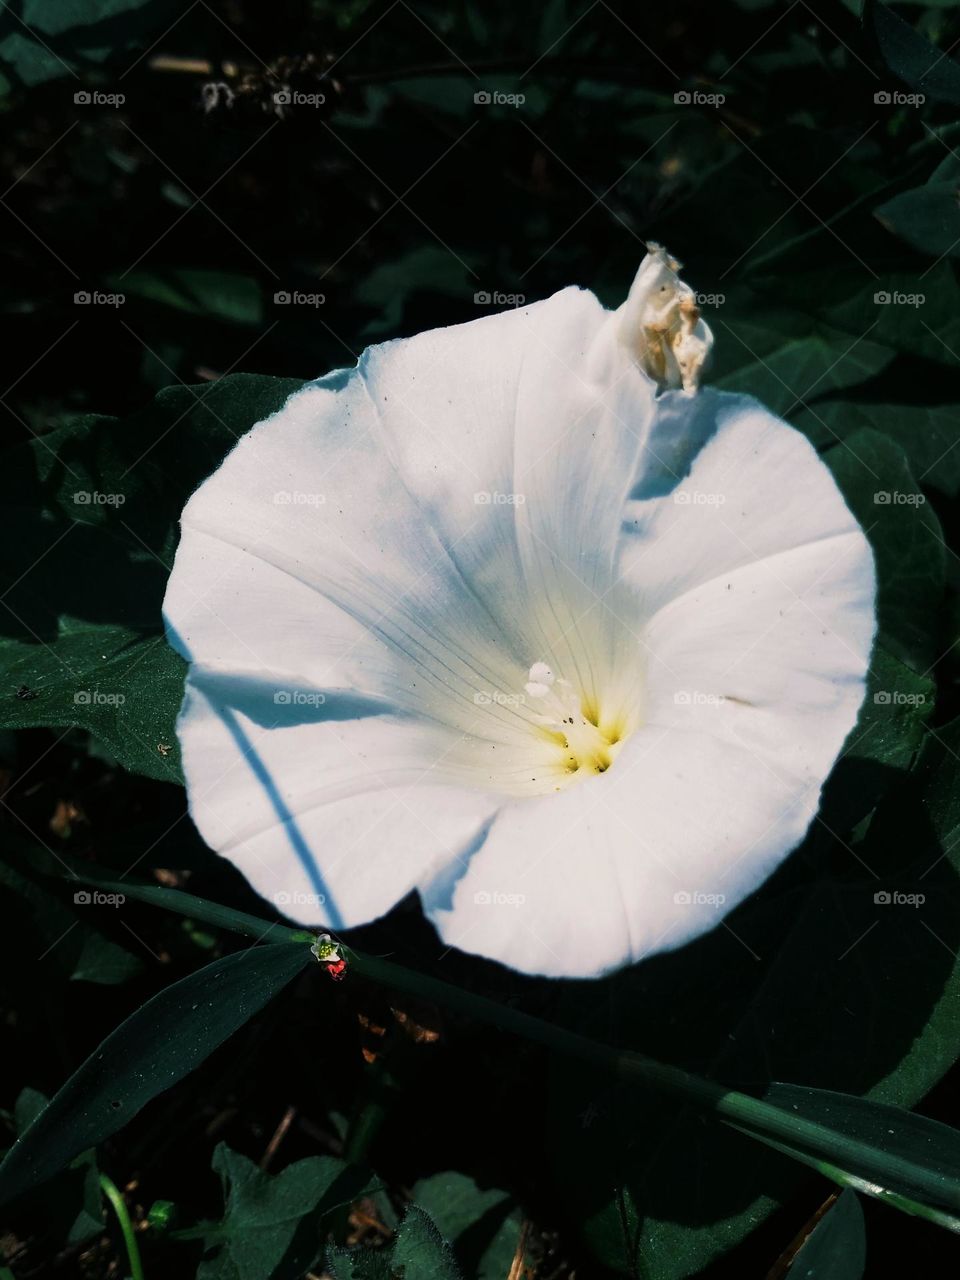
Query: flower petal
(333, 820)
(756, 614)
(639, 860)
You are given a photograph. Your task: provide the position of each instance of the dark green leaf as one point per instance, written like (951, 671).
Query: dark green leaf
(927, 434)
(157, 1046)
(419, 1252)
(927, 218)
(92, 510)
(914, 59)
(69, 1209)
(482, 1224)
(42, 924)
(896, 1156)
(875, 478)
(273, 1226)
(52, 40)
(837, 1247)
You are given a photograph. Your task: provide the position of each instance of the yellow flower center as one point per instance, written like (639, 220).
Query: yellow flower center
(585, 741)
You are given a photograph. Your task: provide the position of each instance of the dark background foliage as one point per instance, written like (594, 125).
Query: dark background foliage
(802, 160)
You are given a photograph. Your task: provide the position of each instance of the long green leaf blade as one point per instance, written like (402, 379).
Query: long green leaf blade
(157, 1046)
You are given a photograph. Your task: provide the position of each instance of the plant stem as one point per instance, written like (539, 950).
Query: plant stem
(832, 1152)
(112, 1193)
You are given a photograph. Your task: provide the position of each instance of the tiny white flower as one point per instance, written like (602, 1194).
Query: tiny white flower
(578, 719)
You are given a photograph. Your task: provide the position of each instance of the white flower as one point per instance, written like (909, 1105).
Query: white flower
(562, 646)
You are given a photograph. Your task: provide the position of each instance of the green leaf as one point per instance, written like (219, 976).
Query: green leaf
(927, 218)
(875, 478)
(785, 359)
(188, 904)
(482, 1224)
(836, 1249)
(53, 40)
(894, 308)
(388, 287)
(157, 1046)
(69, 944)
(92, 510)
(419, 1252)
(913, 58)
(845, 1137)
(69, 1209)
(883, 743)
(273, 1226)
(111, 681)
(895, 1155)
(927, 434)
(214, 295)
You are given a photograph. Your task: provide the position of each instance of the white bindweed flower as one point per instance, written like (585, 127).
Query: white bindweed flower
(514, 615)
